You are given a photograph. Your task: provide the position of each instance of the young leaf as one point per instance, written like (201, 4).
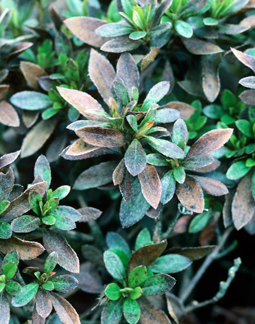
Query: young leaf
(137, 276)
(237, 170)
(245, 127)
(27, 293)
(136, 293)
(143, 238)
(179, 174)
(112, 291)
(199, 222)
(114, 266)
(157, 92)
(157, 285)
(180, 132)
(11, 256)
(42, 167)
(135, 158)
(61, 192)
(9, 270)
(112, 312)
(165, 147)
(131, 311)
(5, 230)
(183, 28)
(170, 263)
(114, 240)
(51, 262)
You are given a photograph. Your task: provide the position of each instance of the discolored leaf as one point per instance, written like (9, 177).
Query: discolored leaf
(32, 72)
(8, 115)
(95, 176)
(8, 159)
(125, 187)
(160, 10)
(247, 97)
(185, 109)
(137, 276)
(119, 172)
(120, 45)
(246, 59)
(157, 285)
(27, 293)
(112, 312)
(67, 258)
(42, 167)
(27, 250)
(66, 313)
(170, 263)
(89, 280)
(212, 186)
(6, 186)
(199, 47)
(64, 283)
(36, 318)
(43, 303)
(151, 314)
(115, 240)
(149, 58)
(193, 253)
(5, 308)
(114, 266)
(150, 184)
(17, 49)
(166, 115)
(135, 158)
(131, 311)
(80, 150)
(157, 92)
(37, 137)
(190, 195)
(243, 206)
(248, 82)
(84, 28)
(88, 214)
(168, 184)
(198, 161)
(210, 142)
(146, 255)
(207, 234)
(31, 100)
(25, 224)
(165, 147)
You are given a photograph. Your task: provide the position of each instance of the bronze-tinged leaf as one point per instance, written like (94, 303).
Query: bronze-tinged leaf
(226, 212)
(67, 258)
(186, 110)
(128, 72)
(27, 250)
(65, 311)
(55, 17)
(146, 255)
(125, 187)
(6, 184)
(120, 45)
(210, 167)
(149, 58)
(212, 186)
(32, 72)
(210, 75)
(43, 303)
(151, 314)
(21, 205)
(8, 159)
(207, 234)
(37, 136)
(88, 278)
(193, 253)
(248, 21)
(243, 206)
(248, 97)
(102, 74)
(83, 102)
(84, 27)
(89, 214)
(29, 117)
(199, 47)
(119, 172)
(8, 115)
(17, 49)
(154, 213)
(246, 59)
(182, 224)
(3, 90)
(103, 137)
(210, 141)
(151, 185)
(190, 195)
(36, 318)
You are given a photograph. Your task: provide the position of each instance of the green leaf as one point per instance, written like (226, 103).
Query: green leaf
(5, 230)
(170, 263)
(158, 30)
(49, 220)
(114, 29)
(228, 99)
(157, 92)
(48, 286)
(42, 167)
(132, 122)
(253, 185)
(137, 35)
(179, 174)
(168, 185)
(251, 112)
(112, 312)
(13, 288)
(48, 113)
(72, 71)
(9, 270)
(61, 192)
(25, 224)
(143, 238)
(11, 257)
(245, 127)
(51, 262)
(136, 293)
(114, 266)
(210, 21)
(237, 170)
(250, 162)
(27, 293)
(213, 111)
(135, 158)
(180, 132)
(156, 159)
(157, 285)
(4, 204)
(63, 222)
(137, 276)
(183, 28)
(199, 222)
(165, 147)
(69, 212)
(123, 257)
(2, 286)
(30, 100)
(131, 311)
(64, 283)
(114, 240)
(121, 91)
(34, 200)
(112, 291)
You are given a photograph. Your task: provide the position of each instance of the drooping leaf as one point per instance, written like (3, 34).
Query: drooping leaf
(27, 293)
(135, 158)
(170, 263)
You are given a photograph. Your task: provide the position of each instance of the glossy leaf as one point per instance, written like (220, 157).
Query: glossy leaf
(237, 170)
(112, 291)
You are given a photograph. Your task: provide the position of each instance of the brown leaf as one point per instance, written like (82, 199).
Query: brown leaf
(92, 254)
(226, 212)
(80, 150)
(27, 250)
(17, 49)
(125, 187)
(149, 58)
(150, 184)
(102, 74)
(67, 258)
(55, 17)
(243, 206)
(246, 59)
(185, 109)
(168, 75)
(103, 137)
(89, 214)
(3, 90)
(248, 97)
(6, 184)
(120, 45)
(8, 115)
(248, 21)
(65, 311)
(31, 73)
(210, 75)
(193, 253)
(21, 205)
(182, 224)
(151, 314)
(146, 255)
(29, 117)
(84, 27)
(190, 195)
(128, 72)
(83, 102)
(199, 47)
(43, 303)
(36, 318)
(212, 186)
(210, 142)
(207, 234)
(119, 172)
(37, 136)
(154, 213)
(8, 159)
(89, 280)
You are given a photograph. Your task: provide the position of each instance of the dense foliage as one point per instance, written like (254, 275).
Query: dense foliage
(127, 145)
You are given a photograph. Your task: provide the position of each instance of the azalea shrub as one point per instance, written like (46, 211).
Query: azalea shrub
(127, 168)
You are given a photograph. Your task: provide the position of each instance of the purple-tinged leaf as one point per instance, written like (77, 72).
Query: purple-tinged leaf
(248, 82)
(119, 172)
(8, 159)
(199, 47)
(43, 303)
(151, 314)
(88, 214)
(212, 186)
(8, 115)
(246, 59)
(248, 97)
(25, 224)
(6, 185)
(186, 110)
